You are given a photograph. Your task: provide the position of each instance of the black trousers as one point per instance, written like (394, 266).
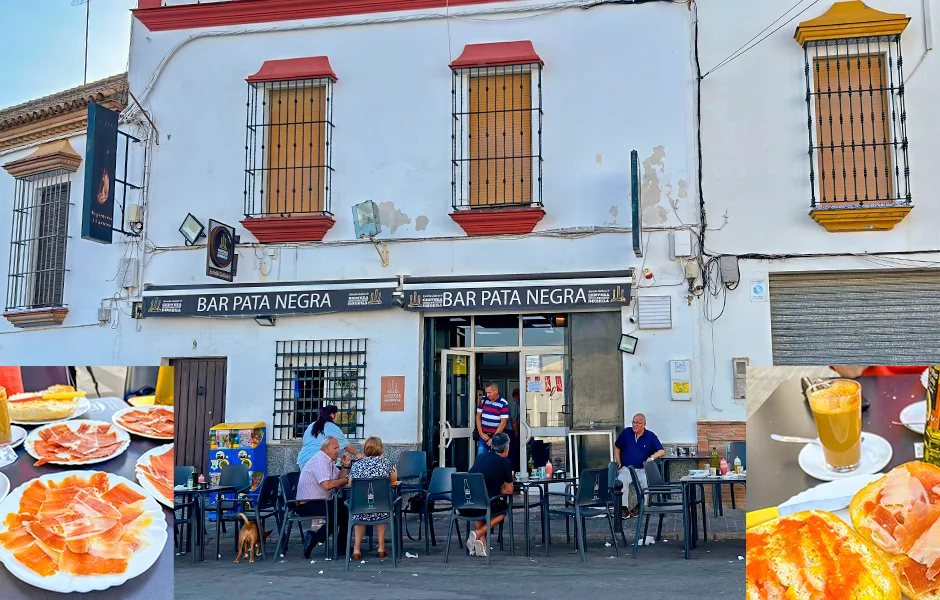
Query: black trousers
(315, 509)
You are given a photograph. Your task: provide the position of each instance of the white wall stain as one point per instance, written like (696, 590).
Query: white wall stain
(614, 210)
(651, 193)
(391, 217)
(421, 223)
(599, 159)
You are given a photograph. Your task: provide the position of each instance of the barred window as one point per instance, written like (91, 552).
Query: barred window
(497, 136)
(288, 147)
(857, 121)
(314, 373)
(36, 276)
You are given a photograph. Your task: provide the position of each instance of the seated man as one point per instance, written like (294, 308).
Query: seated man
(635, 446)
(318, 479)
(497, 472)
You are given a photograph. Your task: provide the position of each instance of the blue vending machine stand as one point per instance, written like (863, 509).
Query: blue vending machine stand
(234, 443)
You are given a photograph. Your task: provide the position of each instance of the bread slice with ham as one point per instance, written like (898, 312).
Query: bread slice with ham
(899, 515)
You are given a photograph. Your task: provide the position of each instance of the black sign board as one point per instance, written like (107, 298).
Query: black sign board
(221, 259)
(549, 297)
(100, 164)
(635, 207)
(253, 304)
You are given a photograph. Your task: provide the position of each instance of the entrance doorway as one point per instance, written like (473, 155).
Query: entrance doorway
(200, 403)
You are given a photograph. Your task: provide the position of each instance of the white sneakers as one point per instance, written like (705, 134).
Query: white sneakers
(471, 542)
(480, 547)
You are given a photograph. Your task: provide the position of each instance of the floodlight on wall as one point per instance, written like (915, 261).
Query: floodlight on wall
(191, 229)
(265, 320)
(628, 343)
(367, 223)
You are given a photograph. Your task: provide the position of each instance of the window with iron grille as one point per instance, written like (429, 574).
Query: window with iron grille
(314, 373)
(857, 122)
(36, 276)
(497, 136)
(288, 147)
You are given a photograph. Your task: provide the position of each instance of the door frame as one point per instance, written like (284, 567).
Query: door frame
(448, 433)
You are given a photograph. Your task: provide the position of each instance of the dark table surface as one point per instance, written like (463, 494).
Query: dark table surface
(775, 473)
(151, 585)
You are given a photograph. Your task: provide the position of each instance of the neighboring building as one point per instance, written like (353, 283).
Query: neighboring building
(819, 169)
(495, 139)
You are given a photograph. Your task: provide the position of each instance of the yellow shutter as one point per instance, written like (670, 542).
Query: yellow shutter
(865, 117)
(295, 179)
(500, 139)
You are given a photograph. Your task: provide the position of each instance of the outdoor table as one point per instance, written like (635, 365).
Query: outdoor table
(150, 585)
(542, 484)
(344, 492)
(689, 485)
(668, 459)
(779, 476)
(201, 494)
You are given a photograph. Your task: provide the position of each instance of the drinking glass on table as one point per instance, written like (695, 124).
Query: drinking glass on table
(7, 454)
(837, 410)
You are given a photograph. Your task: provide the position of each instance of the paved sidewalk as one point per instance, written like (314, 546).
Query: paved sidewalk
(658, 573)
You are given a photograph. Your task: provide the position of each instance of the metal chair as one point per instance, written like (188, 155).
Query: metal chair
(736, 450)
(412, 464)
(655, 479)
(289, 501)
(370, 496)
(439, 489)
(662, 508)
(616, 499)
(474, 496)
(185, 513)
(267, 506)
(236, 476)
(592, 499)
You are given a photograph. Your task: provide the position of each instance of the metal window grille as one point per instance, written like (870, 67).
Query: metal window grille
(497, 136)
(288, 148)
(857, 122)
(310, 374)
(36, 276)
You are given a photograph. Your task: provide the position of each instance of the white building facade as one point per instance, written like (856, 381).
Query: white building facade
(494, 139)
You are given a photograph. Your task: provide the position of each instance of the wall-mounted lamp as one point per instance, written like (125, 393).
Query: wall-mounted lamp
(265, 320)
(367, 223)
(628, 343)
(192, 229)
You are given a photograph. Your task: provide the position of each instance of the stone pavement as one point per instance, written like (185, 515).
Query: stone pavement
(715, 571)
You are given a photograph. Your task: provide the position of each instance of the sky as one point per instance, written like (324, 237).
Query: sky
(42, 45)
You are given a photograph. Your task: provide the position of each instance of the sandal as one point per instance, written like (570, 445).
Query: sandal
(382, 554)
(357, 556)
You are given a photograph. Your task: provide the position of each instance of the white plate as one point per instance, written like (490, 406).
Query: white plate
(129, 409)
(140, 562)
(914, 415)
(876, 454)
(83, 406)
(4, 486)
(923, 378)
(18, 436)
(74, 425)
(144, 482)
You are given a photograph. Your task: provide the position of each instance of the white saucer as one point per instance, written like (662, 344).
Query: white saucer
(876, 454)
(914, 415)
(835, 489)
(18, 435)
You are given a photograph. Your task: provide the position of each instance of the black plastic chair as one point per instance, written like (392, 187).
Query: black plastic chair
(736, 450)
(616, 499)
(470, 494)
(655, 478)
(592, 499)
(370, 496)
(235, 476)
(267, 506)
(653, 500)
(438, 491)
(289, 501)
(412, 464)
(185, 513)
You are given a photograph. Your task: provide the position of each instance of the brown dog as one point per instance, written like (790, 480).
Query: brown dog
(249, 542)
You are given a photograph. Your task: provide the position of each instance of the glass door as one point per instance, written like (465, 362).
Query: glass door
(458, 409)
(545, 408)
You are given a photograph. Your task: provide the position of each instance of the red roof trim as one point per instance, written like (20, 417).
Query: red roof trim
(497, 54)
(290, 69)
(242, 12)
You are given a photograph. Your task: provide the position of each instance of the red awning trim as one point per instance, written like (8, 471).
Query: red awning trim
(291, 69)
(497, 54)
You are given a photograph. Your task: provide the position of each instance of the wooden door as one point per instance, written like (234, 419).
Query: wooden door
(200, 404)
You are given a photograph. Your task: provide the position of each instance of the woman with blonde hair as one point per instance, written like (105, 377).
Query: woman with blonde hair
(373, 465)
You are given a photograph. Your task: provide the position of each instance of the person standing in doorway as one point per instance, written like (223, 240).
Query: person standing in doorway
(492, 417)
(635, 446)
(512, 429)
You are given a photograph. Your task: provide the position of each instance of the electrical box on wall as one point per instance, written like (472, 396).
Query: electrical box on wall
(680, 379)
(680, 244)
(740, 377)
(129, 269)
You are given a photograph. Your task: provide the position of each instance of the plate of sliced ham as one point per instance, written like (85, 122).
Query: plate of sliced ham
(155, 474)
(154, 422)
(76, 442)
(79, 531)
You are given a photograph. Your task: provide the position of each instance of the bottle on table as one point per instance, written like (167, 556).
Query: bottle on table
(723, 467)
(737, 465)
(191, 480)
(195, 477)
(548, 469)
(202, 478)
(716, 462)
(6, 429)
(932, 425)
(531, 467)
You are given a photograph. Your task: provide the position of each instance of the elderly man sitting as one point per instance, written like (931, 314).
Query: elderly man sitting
(318, 479)
(635, 446)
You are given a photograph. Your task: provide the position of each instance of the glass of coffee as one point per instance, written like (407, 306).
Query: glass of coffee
(837, 409)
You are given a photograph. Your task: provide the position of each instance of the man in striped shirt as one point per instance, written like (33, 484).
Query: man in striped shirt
(492, 416)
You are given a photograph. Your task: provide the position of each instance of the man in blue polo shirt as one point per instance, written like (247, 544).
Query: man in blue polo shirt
(636, 446)
(492, 417)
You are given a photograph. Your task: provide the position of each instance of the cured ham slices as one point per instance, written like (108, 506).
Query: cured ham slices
(150, 421)
(155, 474)
(900, 515)
(79, 531)
(76, 442)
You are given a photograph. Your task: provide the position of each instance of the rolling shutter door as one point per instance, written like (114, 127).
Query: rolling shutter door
(855, 318)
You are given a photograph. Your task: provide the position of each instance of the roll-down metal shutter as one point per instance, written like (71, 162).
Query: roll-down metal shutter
(856, 318)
